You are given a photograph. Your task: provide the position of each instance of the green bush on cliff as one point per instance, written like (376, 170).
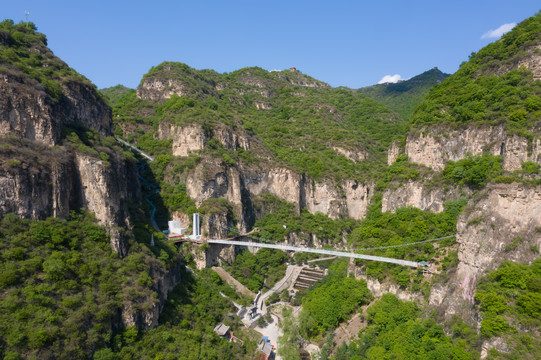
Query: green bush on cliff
(511, 292)
(264, 268)
(473, 171)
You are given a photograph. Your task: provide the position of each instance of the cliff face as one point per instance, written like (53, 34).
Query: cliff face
(240, 185)
(38, 182)
(41, 181)
(436, 146)
(500, 224)
(105, 190)
(191, 138)
(35, 189)
(27, 111)
(417, 194)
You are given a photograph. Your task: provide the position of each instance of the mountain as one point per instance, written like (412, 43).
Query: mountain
(114, 93)
(405, 95)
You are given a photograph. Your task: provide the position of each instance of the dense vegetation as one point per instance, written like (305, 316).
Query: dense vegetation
(262, 269)
(300, 121)
(185, 332)
(487, 89)
(332, 301)
(62, 287)
(473, 171)
(508, 299)
(406, 225)
(114, 93)
(278, 220)
(395, 330)
(404, 96)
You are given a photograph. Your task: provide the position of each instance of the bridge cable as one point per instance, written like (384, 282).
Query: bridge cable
(228, 228)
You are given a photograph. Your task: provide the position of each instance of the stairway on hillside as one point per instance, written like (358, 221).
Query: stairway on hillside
(308, 277)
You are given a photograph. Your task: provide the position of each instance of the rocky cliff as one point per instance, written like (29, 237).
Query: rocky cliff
(501, 223)
(28, 111)
(191, 138)
(240, 185)
(43, 173)
(435, 146)
(39, 181)
(420, 195)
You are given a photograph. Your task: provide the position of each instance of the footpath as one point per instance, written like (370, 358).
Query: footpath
(233, 282)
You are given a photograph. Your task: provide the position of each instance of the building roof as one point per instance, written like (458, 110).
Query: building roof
(221, 329)
(264, 347)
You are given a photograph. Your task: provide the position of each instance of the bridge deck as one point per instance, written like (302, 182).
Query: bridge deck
(316, 251)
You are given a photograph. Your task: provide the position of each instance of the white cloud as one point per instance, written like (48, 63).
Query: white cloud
(495, 34)
(390, 79)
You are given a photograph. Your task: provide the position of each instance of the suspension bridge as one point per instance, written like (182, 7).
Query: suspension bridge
(350, 253)
(196, 236)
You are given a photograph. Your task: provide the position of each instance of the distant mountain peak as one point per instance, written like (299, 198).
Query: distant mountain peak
(404, 95)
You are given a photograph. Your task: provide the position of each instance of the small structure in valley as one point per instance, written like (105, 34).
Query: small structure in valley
(222, 330)
(264, 350)
(175, 229)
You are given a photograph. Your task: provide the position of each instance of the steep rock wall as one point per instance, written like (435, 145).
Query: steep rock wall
(37, 191)
(105, 190)
(240, 185)
(435, 147)
(38, 182)
(416, 194)
(191, 138)
(26, 111)
(500, 224)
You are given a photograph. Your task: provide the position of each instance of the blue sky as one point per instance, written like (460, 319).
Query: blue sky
(344, 43)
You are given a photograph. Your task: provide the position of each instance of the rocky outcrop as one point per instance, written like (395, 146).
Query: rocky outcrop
(531, 61)
(392, 153)
(502, 223)
(37, 190)
(435, 147)
(352, 155)
(163, 281)
(529, 58)
(186, 139)
(39, 182)
(104, 190)
(191, 138)
(27, 111)
(417, 194)
(160, 89)
(211, 180)
(378, 289)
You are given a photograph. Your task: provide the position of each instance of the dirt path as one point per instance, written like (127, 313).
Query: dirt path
(349, 331)
(233, 282)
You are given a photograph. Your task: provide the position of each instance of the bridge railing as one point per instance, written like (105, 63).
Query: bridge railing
(316, 251)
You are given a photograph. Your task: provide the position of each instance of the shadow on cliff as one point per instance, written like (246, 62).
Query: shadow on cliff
(153, 204)
(181, 295)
